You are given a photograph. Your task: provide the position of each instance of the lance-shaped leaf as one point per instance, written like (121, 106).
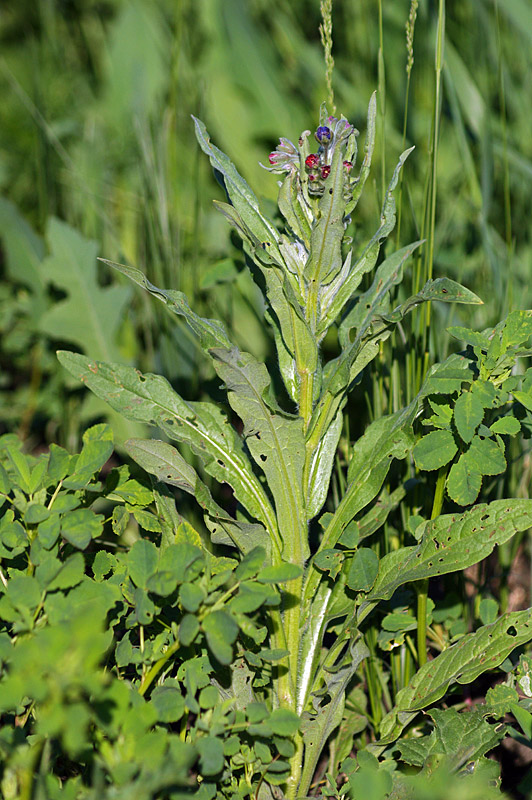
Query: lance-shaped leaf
(151, 399)
(210, 332)
(443, 289)
(387, 438)
(452, 542)
(292, 206)
(274, 440)
(321, 464)
(461, 663)
(368, 154)
(317, 729)
(169, 466)
(368, 259)
(325, 258)
(372, 302)
(240, 194)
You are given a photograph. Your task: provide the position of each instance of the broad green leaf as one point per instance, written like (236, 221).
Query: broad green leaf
(24, 592)
(459, 737)
(275, 442)
(70, 574)
(506, 425)
(468, 414)
(169, 702)
(80, 526)
(142, 561)
(188, 629)
(452, 542)
(467, 659)
(49, 530)
(35, 513)
(474, 338)
(97, 448)
(363, 570)
(434, 450)
(191, 596)
(284, 722)
(211, 752)
(517, 329)
(90, 315)
(221, 631)
(150, 399)
(487, 456)
(464, 481)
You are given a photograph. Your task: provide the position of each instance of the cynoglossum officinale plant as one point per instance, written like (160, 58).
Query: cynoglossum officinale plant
(280, 460)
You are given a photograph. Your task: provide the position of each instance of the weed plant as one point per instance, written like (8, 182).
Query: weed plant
(266, 650)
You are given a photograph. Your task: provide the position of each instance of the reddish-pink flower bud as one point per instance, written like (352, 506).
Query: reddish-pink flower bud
(312, 161)
(325, 172)
(348, 165)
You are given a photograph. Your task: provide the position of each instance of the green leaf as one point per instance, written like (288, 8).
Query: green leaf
(97, 449)
(142, 561)
(459, 737)
(80, 526)
(169, 702)
(191, 596)
(275, 442)
(434, 450)
(250, 564)
(464, 661)
(188, 629)
(211, 332)
(49, 530)
(468, 414)
(70, 574)
(169, 466)
(488, 610)
(499, 699)
(284, 722)
(486, 456)
(24, 592)
(150, 399)
(452, 542)
(363, 570)
(330, 561)
(517, 329)
(508, 425)
(211, 752)
(221, 631)
(279, 573)
(58, 464)
(464, 481)
(35, 513)
(90, 315)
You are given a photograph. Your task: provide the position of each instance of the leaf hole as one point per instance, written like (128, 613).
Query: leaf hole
(511, 631)
(263, 457)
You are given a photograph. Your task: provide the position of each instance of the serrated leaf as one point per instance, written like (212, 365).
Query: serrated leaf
(363, 570)
(464, 481)
(486, 456)
(434, 450)
(452, 542)
(150, 398)
(97, 448)
(90, 315)
(468, 414)
(506, 425)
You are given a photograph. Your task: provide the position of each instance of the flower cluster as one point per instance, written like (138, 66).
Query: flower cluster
(287, 157)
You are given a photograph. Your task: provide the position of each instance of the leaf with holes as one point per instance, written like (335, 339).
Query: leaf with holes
(452, 542)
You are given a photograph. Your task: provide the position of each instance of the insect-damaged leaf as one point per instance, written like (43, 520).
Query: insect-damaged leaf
(452, 542)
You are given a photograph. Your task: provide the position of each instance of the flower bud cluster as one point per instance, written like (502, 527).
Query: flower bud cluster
(317, 166)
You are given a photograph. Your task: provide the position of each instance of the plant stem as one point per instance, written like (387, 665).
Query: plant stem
(424, 585)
